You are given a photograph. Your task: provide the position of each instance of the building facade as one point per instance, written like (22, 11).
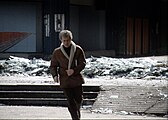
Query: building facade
(126, 27)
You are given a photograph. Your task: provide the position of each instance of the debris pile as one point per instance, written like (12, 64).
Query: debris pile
(138, 68)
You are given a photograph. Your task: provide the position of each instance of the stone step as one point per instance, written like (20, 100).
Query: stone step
(41, 101)
(94, 88)
(51, 95)
(41, 94)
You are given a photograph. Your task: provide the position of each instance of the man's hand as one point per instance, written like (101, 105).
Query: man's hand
(56, 79)
(70, 72)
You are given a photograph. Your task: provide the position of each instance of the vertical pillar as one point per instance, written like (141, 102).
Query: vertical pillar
(55, 19)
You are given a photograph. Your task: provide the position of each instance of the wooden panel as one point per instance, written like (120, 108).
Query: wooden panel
(129, 36)
(145, 36)
(138, 29)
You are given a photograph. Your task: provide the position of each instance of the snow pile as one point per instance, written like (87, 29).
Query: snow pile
(17, 65)
(128, 68)
(110, 111)
(104, 66)
(102, 110)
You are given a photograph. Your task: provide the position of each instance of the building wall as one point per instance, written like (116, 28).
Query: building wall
(164, 28)
(96, 25)
(88, 27)
(143, 30)
(20, 17)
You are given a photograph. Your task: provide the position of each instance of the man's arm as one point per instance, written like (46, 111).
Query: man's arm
(54, 66)
(81, 62)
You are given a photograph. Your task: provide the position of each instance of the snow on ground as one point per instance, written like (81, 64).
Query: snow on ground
(88, 81)
(150, 71)
(137, 68)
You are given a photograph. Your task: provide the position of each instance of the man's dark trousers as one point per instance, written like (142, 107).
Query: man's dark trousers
(74, 97)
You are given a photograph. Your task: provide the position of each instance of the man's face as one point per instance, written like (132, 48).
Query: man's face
(66, 41)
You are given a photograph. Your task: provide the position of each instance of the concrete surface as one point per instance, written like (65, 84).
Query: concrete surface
(61, 113)
(137, 99)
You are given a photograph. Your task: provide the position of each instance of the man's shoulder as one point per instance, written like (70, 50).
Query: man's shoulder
(79, 47)
(57, 49)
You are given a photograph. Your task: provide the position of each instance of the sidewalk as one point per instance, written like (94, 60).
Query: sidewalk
(61, 113)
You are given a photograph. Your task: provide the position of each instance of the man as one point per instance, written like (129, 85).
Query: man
(67, 62)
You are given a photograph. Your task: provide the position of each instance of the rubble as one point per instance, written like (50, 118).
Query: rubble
(136, 68)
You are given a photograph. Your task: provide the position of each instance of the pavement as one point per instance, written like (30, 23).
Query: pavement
(61, 113)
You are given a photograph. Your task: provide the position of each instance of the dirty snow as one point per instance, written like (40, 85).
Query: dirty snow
(150, 71)
(130, 68)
